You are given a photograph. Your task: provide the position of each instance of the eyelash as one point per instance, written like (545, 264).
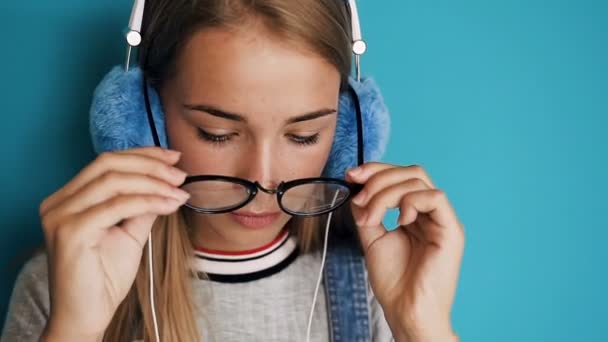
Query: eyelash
(212, 138)
(305, 141)
(220, 140)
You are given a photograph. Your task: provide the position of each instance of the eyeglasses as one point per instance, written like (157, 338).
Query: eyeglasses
(215, 194)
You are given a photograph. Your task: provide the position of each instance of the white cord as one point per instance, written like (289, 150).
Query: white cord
(152, 286)
(314, 298)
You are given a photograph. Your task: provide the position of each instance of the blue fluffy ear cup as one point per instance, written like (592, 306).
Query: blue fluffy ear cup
(376, 128)
(118, 120)
(118, 117)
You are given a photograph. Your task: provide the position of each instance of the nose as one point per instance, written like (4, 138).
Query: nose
(268, 191)
(258, 166)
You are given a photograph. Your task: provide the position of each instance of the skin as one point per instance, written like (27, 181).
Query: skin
(96, 226)
(413, 270)
(267, 83)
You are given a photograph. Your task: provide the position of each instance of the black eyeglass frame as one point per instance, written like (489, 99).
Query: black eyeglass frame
(282, 188)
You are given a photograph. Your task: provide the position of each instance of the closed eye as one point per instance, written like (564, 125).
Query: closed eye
(222, 139)
(214, 138)
(304, 140)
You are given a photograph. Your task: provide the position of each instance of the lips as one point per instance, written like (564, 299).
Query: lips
(255, 220)
(250, 213)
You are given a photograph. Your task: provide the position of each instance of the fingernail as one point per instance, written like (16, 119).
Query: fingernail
(362, 219)
(173, 153)
(354, 171)
(400, 220)
(359, 198)
(174, 202)
(177, 172)
(181, 195)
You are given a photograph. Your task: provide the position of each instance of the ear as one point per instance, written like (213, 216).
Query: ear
(118, 117)
(376, 128)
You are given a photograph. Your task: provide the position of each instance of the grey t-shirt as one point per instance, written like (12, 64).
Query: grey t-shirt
(271, 309)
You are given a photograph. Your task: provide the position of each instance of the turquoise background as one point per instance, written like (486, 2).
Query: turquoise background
(504, 103)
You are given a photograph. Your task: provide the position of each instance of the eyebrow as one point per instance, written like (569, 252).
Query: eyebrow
(240, 118)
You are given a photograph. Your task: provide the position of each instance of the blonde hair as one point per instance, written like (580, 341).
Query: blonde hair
(173, 274)
(321, 25)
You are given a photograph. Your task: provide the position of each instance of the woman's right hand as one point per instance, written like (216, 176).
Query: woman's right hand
(96, 227)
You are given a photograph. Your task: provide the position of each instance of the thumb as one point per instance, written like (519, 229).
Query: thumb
(367, 234)
(139, 227)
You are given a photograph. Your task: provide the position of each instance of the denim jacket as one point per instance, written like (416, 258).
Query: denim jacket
(345, 281)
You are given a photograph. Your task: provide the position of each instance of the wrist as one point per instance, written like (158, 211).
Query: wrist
(404, 332)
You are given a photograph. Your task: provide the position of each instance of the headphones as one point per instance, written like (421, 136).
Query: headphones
(118, 115)
(127, 113)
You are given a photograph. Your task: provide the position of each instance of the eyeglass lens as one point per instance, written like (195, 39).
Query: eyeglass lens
(304, 199)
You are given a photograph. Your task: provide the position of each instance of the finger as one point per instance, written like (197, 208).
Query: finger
(388, 198)
(449, 243)
(427, 229)
(384, 179)
(88, 226)
(111, 184)
(137, 228)
(153, 162)
(432, 202)
(414, 230)
(362, 173)
(369, 234)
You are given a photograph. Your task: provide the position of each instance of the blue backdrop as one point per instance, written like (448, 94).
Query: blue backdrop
(503, 102)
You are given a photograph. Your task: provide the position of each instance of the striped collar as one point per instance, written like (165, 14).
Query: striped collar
(244, 266)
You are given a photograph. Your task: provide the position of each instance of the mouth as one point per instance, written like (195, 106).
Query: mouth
(255, 220)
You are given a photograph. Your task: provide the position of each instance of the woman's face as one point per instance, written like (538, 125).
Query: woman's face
(240, 105)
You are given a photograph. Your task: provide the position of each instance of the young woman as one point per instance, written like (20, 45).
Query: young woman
(250, 91)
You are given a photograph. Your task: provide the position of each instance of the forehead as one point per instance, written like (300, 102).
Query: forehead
(252, 70)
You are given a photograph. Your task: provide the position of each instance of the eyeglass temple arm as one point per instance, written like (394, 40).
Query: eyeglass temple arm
(359, 117)
(150, 115)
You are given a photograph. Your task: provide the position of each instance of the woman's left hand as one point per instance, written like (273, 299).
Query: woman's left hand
(413, 270)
